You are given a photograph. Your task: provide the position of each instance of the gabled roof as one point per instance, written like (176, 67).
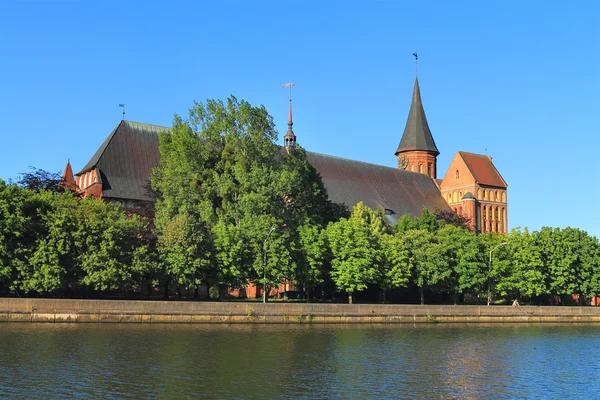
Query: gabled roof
(417, 135)
(482, 169)
(125, 160)
(396, 191)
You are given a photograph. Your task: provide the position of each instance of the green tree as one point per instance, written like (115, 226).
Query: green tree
(222, 167)
(356, 250)
(20, 228)
(465, 259)
(427, 260)
(395, 264)
(527, 275)
(314, 251)
(113, 253)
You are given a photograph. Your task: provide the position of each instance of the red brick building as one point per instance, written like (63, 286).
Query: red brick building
(472, 187)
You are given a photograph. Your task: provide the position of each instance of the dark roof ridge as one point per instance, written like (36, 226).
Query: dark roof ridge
(145, 124)
(98, 154)
(362, 162)
(474, 154)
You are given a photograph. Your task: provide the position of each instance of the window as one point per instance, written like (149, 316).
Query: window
(421, 168)
(457, 174)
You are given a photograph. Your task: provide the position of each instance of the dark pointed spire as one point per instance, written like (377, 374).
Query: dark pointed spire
(417, 135)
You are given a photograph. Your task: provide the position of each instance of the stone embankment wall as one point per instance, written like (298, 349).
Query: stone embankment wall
(115, 311)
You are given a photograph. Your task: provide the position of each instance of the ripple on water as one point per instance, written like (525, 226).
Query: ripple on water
(300, 361)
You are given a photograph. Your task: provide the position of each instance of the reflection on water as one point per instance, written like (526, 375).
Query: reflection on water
(300, 361)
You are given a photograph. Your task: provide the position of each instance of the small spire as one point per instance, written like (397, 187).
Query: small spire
(67, 180)
(289, 140)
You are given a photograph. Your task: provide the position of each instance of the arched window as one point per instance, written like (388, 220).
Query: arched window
(421, 168)
(455, 197)
(485, 194)
(479, 194)
(504, 197)
(457, 174)
(460, 195)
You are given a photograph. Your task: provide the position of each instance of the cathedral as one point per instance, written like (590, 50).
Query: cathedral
(472, 186)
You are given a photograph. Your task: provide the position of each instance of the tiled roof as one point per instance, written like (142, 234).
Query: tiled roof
(126, 158)
(397, 191)
(417, 135)
(483, 170)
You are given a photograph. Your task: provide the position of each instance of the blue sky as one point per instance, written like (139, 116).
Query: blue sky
(519, 80)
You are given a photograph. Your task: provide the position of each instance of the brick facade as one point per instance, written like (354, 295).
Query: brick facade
(420, 161)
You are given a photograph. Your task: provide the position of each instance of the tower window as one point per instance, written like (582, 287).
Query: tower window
(457, 174)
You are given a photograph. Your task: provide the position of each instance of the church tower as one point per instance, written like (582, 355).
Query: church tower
(417, 150)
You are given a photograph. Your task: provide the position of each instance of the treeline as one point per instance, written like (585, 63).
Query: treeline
(233, 207)
(57, 244)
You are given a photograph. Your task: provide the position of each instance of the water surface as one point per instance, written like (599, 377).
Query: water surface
(430, 361)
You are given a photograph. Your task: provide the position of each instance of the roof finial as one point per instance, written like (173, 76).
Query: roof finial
(123, 107)
(416, 64)
(290, 84)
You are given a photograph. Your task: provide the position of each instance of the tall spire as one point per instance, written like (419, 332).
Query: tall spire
(289, 139)
(417, 135)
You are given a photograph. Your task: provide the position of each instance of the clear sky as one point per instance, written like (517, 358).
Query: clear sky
(518, 80)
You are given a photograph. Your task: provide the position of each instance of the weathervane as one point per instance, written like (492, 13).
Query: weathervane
(123, 107)
(290, 84)
(416, 63)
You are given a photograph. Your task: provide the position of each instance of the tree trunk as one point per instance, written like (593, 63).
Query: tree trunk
(307, 294)
(222, 289)
(350, 298)
(422, 292)
(455, 298)
(384, 292)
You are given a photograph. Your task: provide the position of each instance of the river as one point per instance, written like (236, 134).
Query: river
(431, 361)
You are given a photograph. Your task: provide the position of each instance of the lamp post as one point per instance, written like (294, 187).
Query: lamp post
(489, 297)
(265, 265)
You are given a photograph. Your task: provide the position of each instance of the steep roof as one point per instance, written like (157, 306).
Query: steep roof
(125, 160)
(67, 180)
(417, 135)
(483, 170)
(401, 192)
